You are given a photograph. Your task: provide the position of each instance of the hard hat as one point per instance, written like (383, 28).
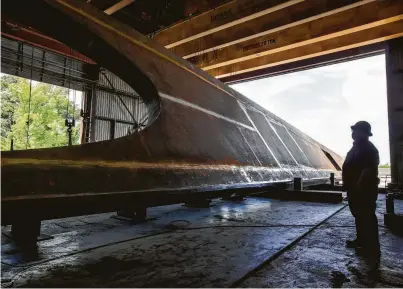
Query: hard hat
(362, 126)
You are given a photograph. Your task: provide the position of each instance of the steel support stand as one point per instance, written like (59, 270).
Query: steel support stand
(392, 220)
(332, 179)
(136, 216)
(234, 198)
(298, 184)
(27, 232)
(198, 203)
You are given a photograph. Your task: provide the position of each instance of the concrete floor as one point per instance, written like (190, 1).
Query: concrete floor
(209, 247)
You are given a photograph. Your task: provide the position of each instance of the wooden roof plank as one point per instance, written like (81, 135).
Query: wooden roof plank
(220, 18)
(349, 41)
(118, 6)
(349, 21)
(277, 20)
(309, 63)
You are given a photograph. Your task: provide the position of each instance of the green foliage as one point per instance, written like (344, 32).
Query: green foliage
(8, 102)
(385, 166)
(47, 114)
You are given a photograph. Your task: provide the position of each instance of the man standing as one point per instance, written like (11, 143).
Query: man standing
(360, 180)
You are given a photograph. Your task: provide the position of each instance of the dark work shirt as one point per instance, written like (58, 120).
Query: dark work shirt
(363, 155)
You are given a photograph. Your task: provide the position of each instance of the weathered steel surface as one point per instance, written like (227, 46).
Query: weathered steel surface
(200, 132)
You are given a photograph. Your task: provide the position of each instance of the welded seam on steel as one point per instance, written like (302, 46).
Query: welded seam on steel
(258, 132)
(246, 176)
(194, 106)
(298, 146)
(249, 146)
(272, 127)
(143, 45)
(10, 162)
(283, 27)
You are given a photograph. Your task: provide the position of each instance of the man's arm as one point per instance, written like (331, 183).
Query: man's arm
(370, 172)
(344, 172)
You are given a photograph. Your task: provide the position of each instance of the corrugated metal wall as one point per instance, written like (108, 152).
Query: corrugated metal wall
(104, 114)
(109, 105)
(102, 130)
(118, 83)
(118, 109)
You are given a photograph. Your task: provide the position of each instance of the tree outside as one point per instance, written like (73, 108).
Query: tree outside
(385, 166)
(47, 114)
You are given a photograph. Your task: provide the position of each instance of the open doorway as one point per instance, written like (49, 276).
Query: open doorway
(35, 114)
(324, 102)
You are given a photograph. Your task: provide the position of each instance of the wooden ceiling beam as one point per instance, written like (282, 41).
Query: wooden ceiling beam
(349, 21)
(220, 18)
(118, 6)
(281, 19)
(309, 63)
(373, 35)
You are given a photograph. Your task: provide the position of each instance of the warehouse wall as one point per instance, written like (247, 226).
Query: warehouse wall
(113, 119)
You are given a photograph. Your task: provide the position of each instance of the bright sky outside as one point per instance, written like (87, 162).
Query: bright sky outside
(326, 101)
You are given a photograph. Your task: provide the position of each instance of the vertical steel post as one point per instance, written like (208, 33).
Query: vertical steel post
(298, 184)
(332, 179)
(394, 80)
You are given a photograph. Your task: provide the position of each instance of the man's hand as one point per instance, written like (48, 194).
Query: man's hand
(365, 176)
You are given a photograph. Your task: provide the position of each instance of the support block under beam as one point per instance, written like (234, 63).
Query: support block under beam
(198, 203)
(133, 216)
(306, 195)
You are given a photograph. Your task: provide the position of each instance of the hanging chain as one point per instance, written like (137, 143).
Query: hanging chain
(74, 93)
(29, 100)
(70, 121)
(68, 94)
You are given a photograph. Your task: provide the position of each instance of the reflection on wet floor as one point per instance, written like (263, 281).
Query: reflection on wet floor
(206, 247)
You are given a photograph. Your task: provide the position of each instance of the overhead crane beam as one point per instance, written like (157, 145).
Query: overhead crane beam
(332, 45)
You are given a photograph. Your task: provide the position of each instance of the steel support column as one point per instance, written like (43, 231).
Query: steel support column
(394, 73)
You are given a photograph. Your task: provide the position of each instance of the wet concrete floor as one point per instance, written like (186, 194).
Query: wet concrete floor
(207, 247)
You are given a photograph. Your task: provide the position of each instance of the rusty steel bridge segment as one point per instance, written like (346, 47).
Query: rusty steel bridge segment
(201, 139)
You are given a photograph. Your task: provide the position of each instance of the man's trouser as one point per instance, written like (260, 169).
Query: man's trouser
(362, 205)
